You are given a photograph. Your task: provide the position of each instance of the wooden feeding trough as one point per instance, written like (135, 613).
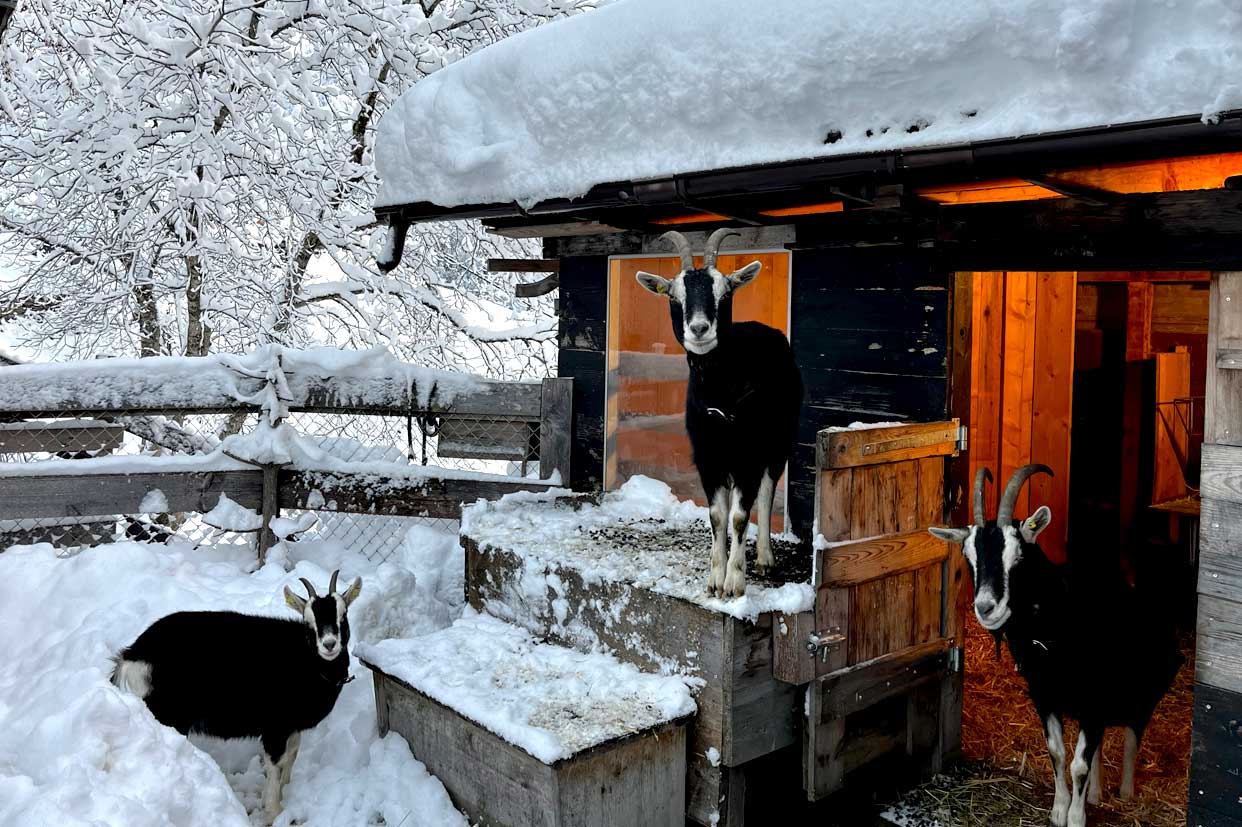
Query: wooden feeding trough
(839, 662)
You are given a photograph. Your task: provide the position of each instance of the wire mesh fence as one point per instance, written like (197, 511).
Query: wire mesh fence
(370, 442)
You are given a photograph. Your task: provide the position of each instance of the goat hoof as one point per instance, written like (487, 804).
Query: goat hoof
(760, 569)
(735, 584)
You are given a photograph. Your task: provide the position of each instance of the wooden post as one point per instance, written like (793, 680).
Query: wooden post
(270, 509)
(555, 428)
(1138, 320)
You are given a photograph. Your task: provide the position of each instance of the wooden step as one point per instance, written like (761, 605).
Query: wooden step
(580, 575)
(529, 734)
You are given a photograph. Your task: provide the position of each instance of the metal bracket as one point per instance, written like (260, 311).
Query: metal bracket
(955, 659)
(963, 437)
(821, 643)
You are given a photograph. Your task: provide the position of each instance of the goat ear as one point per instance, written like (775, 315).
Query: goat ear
(650, 281)
(294, 601)
(351, 594)
(1034, 524)
(952, 535)
(743, 277)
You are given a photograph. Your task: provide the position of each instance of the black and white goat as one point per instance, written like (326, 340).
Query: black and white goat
(1086, 646)
(742, 404)
(232, 675)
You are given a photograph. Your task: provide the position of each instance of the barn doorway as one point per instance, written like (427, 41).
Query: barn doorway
(644, 430)
(1099, 375)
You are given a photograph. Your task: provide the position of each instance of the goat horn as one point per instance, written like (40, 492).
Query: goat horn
(982, 477)
(332, 585)
(712, 247)
(1004, 512)
(683, 248)
(310, 590)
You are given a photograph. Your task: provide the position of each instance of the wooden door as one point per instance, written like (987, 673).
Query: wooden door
(645, 431)
(888, 630)
(1021, 388)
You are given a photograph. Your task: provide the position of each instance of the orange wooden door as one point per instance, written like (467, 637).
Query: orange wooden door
(1021, 390)
(645, 433)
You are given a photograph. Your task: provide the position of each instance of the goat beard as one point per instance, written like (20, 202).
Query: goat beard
(996, 636)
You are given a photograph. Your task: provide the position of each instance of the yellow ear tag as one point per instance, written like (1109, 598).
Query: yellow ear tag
(291, 600)
(1030, 523)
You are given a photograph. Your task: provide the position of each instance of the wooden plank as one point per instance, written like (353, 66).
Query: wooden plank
(833, 504)
(1216, 751)
(30, 497)
(1052, 405)
(1221, 474)
(823, 771)
(1018, 392)
(392, 393)
(832, 617)
(866, 560)
(1172, 442)
(1153, 276)
(761, 713)
(414, 496)
(523, 265)
(852, 448)
(880, 617)
(791, 662)
(1220, 539)
(986, 384)
(1218, 643)
(639, 781)
(269, 510)
(67, 436)
(1139, 297)
(556, 428)
(864, 684)
(928, 586)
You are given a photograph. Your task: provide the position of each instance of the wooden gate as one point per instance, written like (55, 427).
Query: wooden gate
(887, 637)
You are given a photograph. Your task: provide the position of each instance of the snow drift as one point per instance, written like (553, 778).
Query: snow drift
(648, 88)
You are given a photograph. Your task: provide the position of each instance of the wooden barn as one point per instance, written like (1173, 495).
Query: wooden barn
(1069, 297)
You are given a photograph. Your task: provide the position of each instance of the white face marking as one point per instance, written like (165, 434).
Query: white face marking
(134, 676)
(968, 549)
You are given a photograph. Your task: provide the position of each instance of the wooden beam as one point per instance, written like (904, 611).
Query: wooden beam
(393, 496)
(30, 497)
(66, 436)
(534, 289)
(1139, 297)
(866, 560)
(865, 684)
(559, 229)
(867, 446)
(1094, 196)
(1151, 276)
(523, 265)
(555, 428)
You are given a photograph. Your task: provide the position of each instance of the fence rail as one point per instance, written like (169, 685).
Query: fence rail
(132, 448)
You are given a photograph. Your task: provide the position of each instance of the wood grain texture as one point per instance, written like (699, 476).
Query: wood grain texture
(1221, 474)
(1220, 541)
(881, 614)
(834, 504)
(556, 427)
(849, 449)
(1052, 406)
(1216, 751)
(987, 381)
(1018, 393)
(1139, 302)
(868, 560)
(872, 681)
(100, 494)
(637, 780)
(1219, 643)
(50, 437)
(791, 662)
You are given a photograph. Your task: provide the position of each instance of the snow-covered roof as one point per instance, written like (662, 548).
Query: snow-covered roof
(650, 88)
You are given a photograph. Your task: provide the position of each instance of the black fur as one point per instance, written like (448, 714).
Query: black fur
(742, 404)
(233, 675)
(1089, 646)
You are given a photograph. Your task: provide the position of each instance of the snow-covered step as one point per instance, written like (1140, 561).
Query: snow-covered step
(627, 575)
(530, 734)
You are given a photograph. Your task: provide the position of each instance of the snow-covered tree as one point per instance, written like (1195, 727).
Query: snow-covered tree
(186, 176)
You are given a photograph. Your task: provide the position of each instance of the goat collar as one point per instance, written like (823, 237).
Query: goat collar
(337, 682)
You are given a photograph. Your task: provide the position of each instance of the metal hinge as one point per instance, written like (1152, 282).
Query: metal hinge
(963, 433)
(955, 659)
(821, 643)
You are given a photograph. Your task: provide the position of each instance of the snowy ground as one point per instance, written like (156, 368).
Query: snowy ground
(75, 751)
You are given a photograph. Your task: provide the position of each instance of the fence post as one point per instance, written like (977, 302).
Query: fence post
(556, 428)
(270, 509)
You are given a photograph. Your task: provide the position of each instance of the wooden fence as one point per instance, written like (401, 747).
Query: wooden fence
(39, 502)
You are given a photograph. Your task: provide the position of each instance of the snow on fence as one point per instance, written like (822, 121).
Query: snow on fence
(170, 448)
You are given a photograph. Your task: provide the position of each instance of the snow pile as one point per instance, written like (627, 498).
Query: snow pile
(648, 88)
(75, 751)
(359, 377)
(623, 539)
(227, 515)
(550, 701)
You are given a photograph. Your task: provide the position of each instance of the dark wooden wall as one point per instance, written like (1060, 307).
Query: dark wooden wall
(869, 328)
(583, 337)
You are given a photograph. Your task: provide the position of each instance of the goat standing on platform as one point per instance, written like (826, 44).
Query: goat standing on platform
(742, 404)
(1085, 645)
(232, 675)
